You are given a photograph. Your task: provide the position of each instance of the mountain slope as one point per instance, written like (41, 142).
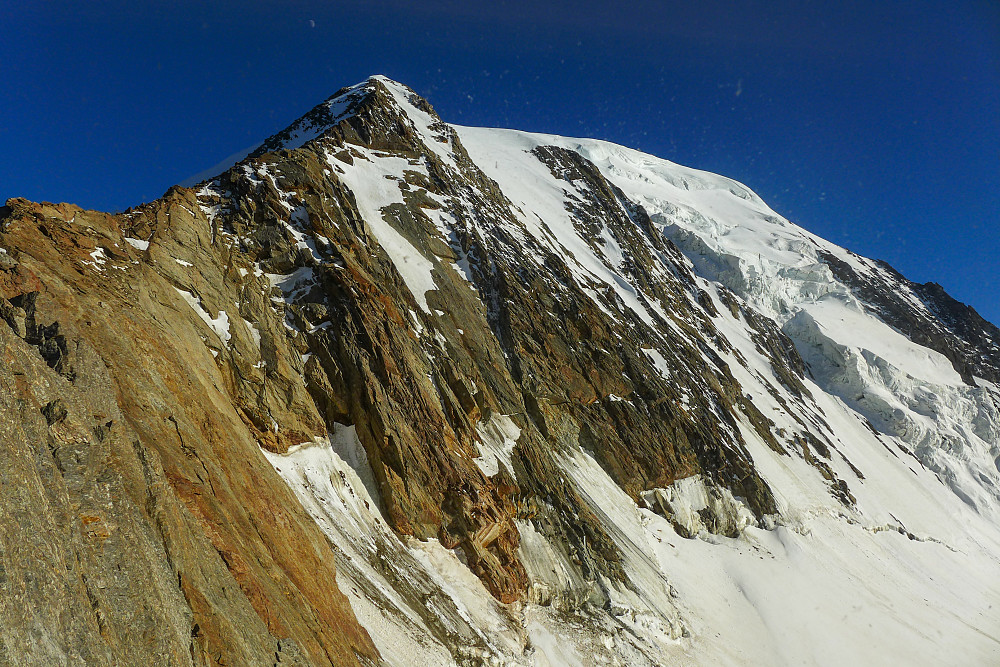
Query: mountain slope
(538, 400)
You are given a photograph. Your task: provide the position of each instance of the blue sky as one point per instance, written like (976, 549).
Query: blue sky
(873, 124)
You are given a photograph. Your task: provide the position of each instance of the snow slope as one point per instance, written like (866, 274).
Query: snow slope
(734, 240)
(821, 570)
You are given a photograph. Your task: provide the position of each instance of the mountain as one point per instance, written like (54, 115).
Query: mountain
(394, 391)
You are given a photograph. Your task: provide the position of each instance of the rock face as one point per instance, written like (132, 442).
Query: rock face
(140, 522)
(312, 410)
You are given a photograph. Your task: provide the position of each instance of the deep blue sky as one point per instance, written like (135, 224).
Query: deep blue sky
(874, 124)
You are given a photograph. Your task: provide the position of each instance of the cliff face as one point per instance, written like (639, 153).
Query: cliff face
(141, 522)
(312, 410)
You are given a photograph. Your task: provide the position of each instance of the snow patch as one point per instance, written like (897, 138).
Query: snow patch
(219, 324)
(374, 192)
(99, 259)
(497, 439)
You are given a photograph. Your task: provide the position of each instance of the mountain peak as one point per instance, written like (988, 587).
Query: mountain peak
(342, 104)
(378, 95)
(400, 391)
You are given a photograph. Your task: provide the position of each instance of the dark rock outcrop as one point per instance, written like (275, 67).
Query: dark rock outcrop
(928, 316)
